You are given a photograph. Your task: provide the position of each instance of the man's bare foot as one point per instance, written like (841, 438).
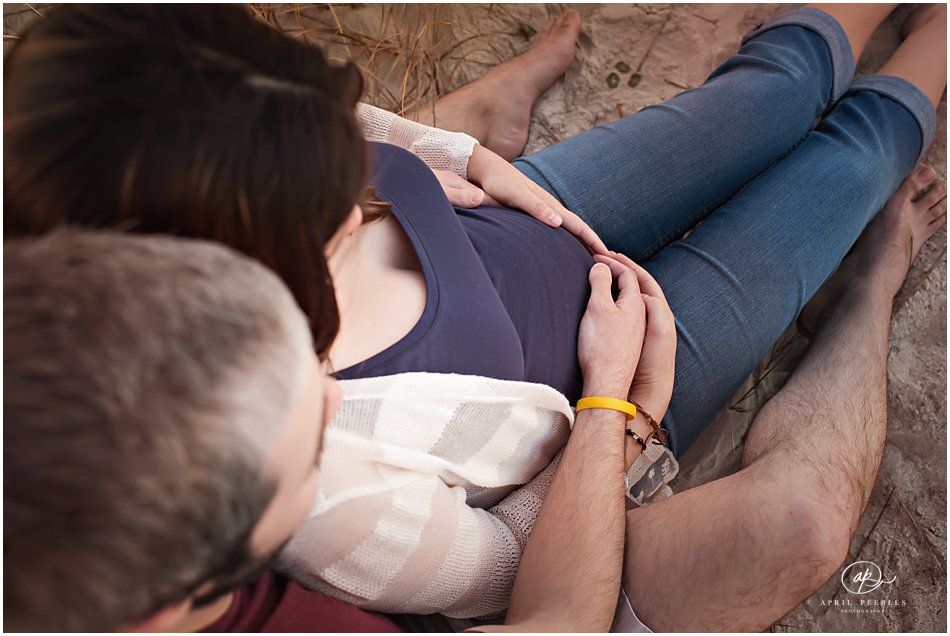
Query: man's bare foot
(889, 244)
(496, 108)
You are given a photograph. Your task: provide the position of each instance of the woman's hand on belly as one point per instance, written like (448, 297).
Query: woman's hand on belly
(458, 191)
(506, 185)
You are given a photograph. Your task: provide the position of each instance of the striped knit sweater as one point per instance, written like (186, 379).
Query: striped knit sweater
(429, 486)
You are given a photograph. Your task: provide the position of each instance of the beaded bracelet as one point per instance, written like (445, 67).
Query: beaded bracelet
(639, 440)
(658, 431)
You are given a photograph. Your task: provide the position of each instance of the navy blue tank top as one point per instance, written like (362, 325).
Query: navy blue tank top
(504, 293)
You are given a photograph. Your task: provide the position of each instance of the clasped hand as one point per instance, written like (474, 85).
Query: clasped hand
(627, 347)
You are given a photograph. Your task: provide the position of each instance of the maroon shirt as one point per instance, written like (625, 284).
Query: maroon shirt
(275, 604)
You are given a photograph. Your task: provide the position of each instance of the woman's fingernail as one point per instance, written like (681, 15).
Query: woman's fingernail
(477, 196)
(554, 218)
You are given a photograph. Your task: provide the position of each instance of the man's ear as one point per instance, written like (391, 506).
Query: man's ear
(160, 621)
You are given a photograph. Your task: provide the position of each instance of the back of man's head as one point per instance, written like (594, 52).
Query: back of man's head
(145, 379)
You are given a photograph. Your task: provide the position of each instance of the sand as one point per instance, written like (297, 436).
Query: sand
(675, 47)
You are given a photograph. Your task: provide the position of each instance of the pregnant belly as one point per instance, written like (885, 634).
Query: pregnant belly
(540, 274)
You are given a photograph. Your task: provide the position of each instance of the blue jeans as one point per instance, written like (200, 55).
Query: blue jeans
(778, 200)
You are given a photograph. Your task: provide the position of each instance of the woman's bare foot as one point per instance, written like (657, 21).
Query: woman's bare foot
(889, 244)
(496, 108)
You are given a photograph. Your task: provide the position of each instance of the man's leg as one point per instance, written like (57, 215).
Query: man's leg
(740, 552)
(496, 108)
(643, 180)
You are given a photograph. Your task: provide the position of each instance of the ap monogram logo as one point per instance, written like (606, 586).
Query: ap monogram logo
(862, 577)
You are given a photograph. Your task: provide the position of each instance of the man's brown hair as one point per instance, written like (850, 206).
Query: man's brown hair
(145, 379)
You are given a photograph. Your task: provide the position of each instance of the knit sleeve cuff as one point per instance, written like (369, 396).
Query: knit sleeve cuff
(439, 149)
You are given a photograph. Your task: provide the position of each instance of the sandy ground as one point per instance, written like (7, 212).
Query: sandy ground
(674, 47)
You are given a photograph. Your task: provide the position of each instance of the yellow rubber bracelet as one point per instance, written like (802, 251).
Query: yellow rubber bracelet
(607, 403)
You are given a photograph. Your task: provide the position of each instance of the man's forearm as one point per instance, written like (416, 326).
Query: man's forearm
(569, 577)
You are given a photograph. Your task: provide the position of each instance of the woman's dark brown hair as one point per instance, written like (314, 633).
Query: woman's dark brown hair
(192, 120)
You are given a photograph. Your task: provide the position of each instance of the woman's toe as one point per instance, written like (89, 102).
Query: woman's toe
(938, 221)
(923, 176)
(934, 195)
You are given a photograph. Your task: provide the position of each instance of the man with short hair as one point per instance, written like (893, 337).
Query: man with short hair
(164, 415)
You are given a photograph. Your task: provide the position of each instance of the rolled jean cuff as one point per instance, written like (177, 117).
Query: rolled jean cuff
(908, 96)
(842, 59)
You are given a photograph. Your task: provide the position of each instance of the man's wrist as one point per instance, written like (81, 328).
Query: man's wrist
(608, 389)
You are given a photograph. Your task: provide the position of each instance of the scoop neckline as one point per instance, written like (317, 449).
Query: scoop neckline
(429, 310)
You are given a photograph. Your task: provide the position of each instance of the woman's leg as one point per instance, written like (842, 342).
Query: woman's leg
(643, 180)
(924, 30)
(743, 274)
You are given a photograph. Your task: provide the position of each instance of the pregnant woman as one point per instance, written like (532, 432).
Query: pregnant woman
(492, 292)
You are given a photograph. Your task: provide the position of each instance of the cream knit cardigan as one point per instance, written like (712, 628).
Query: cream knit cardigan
(429, 486)
(439, 149)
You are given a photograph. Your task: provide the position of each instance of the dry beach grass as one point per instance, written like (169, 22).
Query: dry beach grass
(411, 54)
